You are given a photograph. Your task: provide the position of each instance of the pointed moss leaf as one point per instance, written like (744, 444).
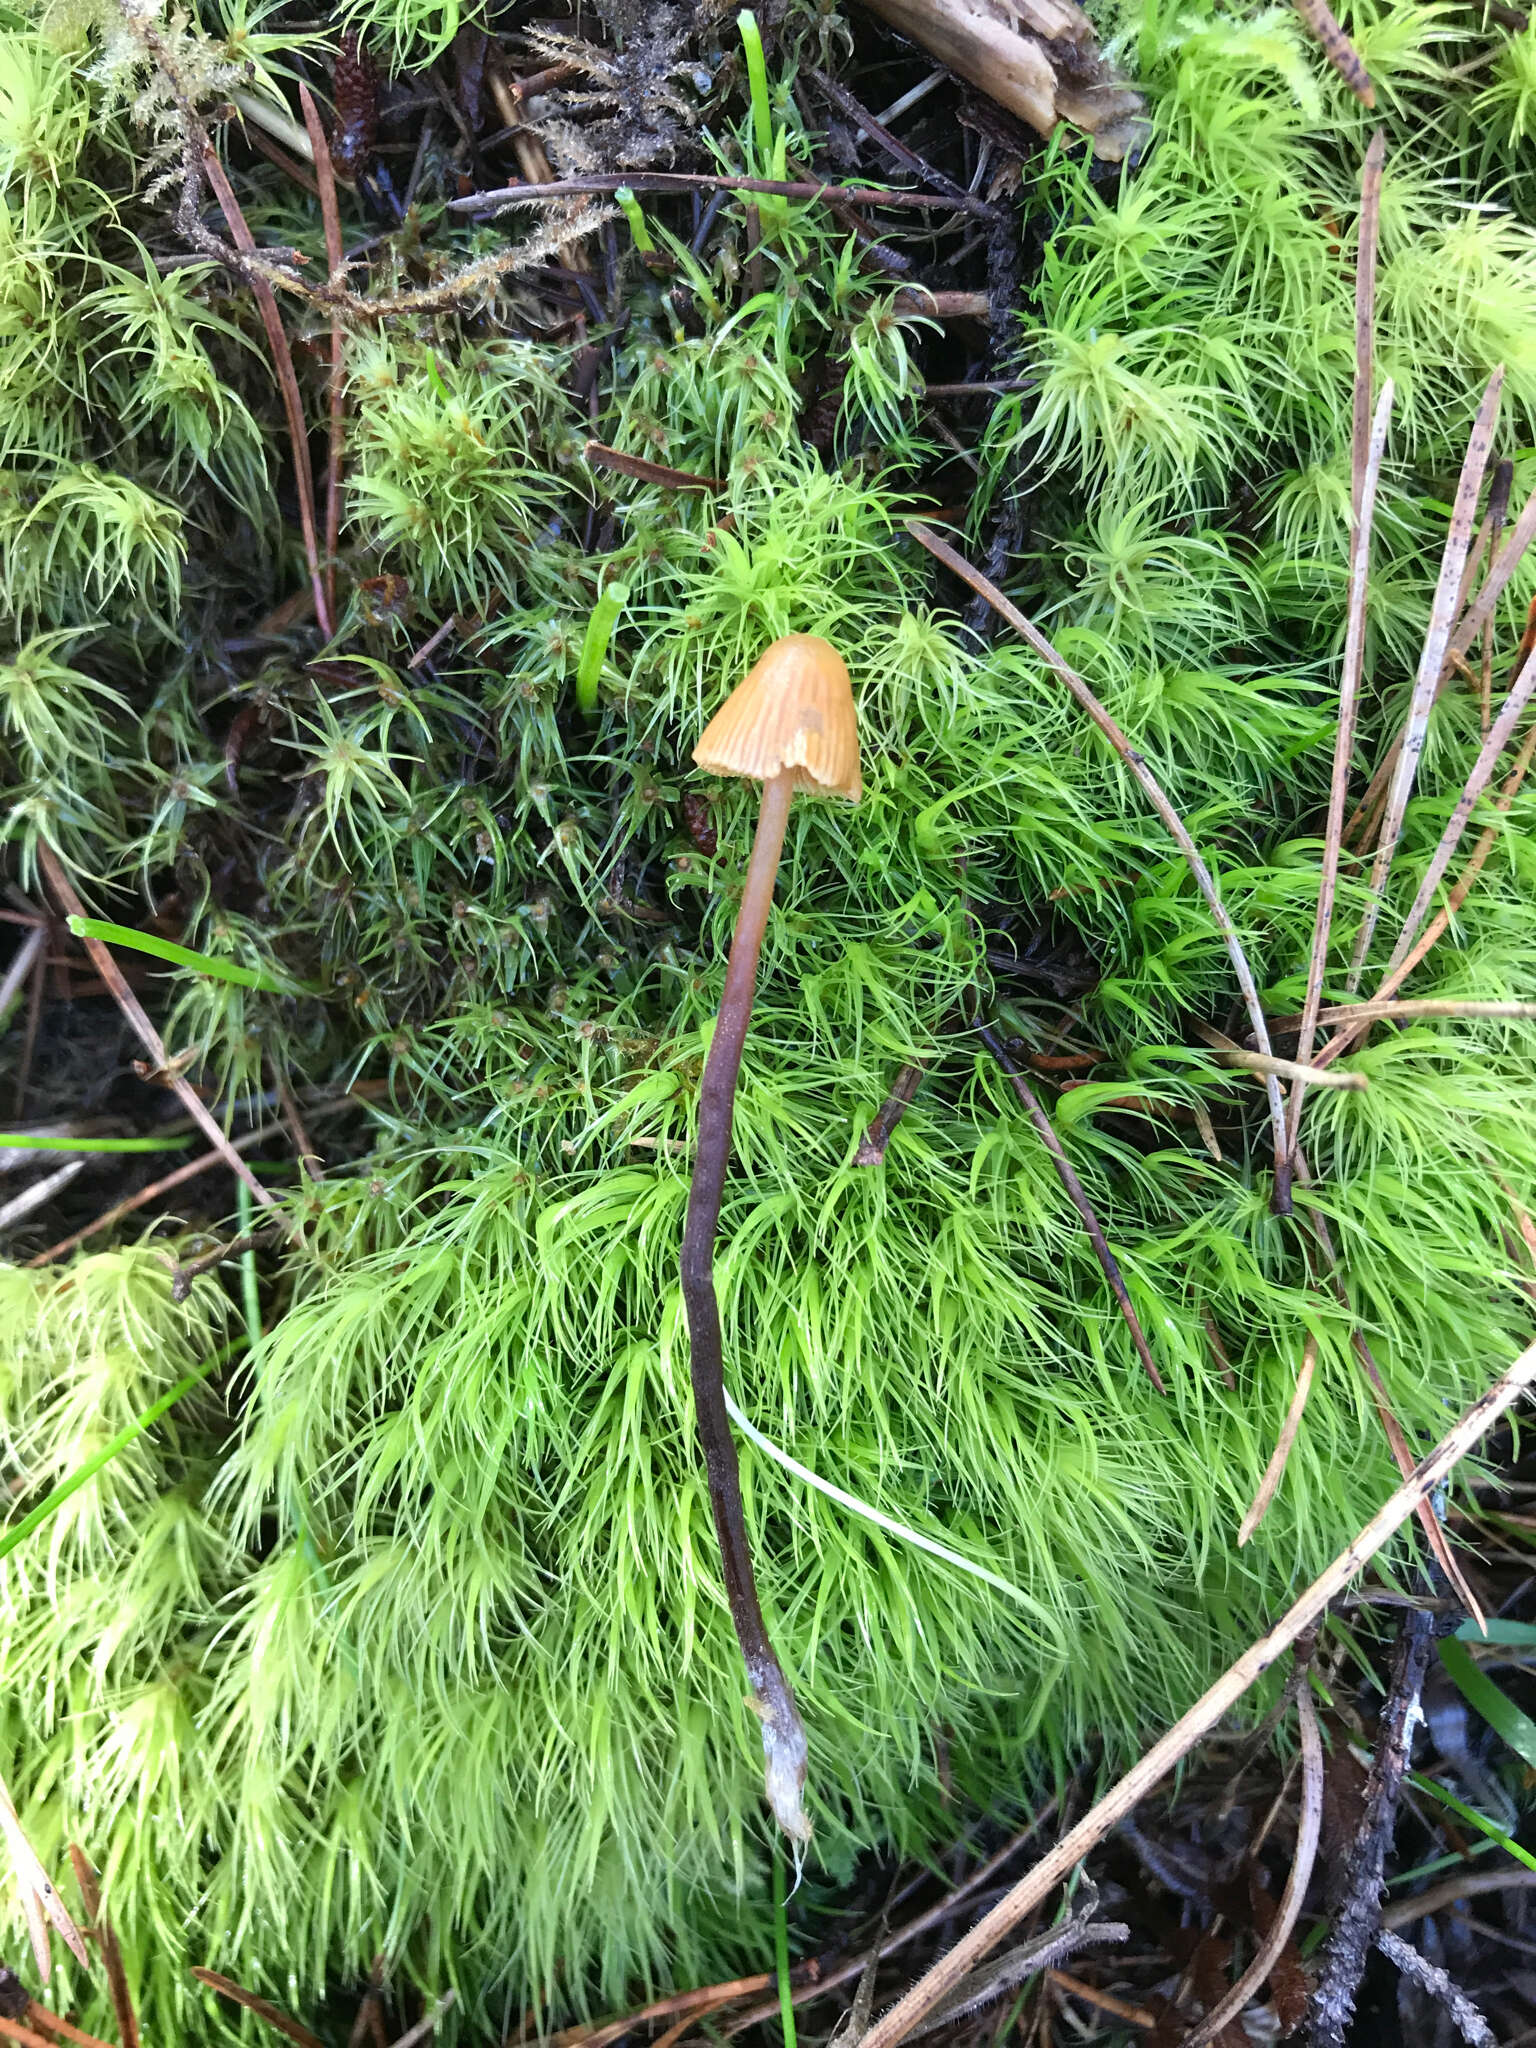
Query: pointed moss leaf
(1495, 1705)
(179, 956)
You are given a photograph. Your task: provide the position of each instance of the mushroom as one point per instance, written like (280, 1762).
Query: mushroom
(789, 724)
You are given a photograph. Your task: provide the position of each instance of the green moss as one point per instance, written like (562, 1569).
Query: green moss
(429, 1658)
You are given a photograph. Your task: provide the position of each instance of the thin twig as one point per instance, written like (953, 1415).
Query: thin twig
(872, 1145)
(1355, 1901)
(263, 2008)
(310, 1162)
(13, 2030)
(159, 1187)
(1123, 1797)
(1368, 440)
(287, 380)
(659, 2009)
(106, 1941)
(1308, 1827)
(893, 146)
(1341, 54)
(1204, 881)
(1429, 1977)
(149, 1037)
(1274, 1472)
(335, 257)
(693, 181)
(1505, 563)
(1077, 1194)
(1441, 619)
(21, 966)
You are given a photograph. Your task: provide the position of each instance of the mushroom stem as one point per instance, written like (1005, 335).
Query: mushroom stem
(784, 1745)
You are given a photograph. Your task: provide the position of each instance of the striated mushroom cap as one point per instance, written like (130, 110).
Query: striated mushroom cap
(793, 709)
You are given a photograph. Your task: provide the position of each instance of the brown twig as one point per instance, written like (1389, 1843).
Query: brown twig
(287, 379)
(893, 146)
(111, 1954)
(694, 181)
(1368, 440)
(1274, 1472)
(310, 1162)
(13, 2030)
(904, 1088)
(1308, 1827)
(1128, 1792)
(1505, 563)
(1431, 662)
(335, 257)
(149, 1037)
(159, 1187)
(660, 2009)
(1204, 881)
(1077, 1194)
(1338, 49)
(1355, 1901)
(601, 456)
(263, 2008)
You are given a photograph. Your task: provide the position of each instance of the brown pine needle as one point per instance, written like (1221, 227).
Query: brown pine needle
(1207, 1713)
(1339, 50)
(111, 1954)
(1368, 442)
(335, 258)
(1274, 1472)
(149, 1037)
(263, 2008)
(1109, 1265)
(1426, 686)
(1179, 831)
(287, 380)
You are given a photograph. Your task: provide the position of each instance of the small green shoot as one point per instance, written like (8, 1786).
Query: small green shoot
(611, 600)
(42, 1141)
(781, 1947)
(1478, 1820)
(179, 956)
(630, 207)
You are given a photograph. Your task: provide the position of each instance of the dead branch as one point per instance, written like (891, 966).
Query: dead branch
(1466, 2018)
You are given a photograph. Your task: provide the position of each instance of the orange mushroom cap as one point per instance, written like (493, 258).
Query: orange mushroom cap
(793, 709)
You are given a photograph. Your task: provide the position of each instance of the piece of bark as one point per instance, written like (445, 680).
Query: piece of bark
(1037, 58)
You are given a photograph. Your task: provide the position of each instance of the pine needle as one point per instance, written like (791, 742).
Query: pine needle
(1274, 1472)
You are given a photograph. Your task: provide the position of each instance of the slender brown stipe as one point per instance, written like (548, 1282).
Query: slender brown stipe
(790, 724)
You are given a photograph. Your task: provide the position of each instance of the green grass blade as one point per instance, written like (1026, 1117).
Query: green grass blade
(1470, 1813)
(42, 1141)
(50, 1504)
(178, 956)
(1495, 1706)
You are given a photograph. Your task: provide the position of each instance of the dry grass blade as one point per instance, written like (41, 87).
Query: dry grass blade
(1078, 1195)
(263, 2008)
(111, 1954)
(1369, 447)
(39, 1894)
(1128, 1792)
(287, 382)
(601, 456)
(1309, 1826)
(1419, 1006)
(27, 956)
(1285, 1070)
(1106, 2001)
(1274, 1472)
(1339, 50)
(149, 1037)
(685, 2002)
(1478, 778)
(335, 257)
(1204, 881)
(1471, 1884)
(1505, 562)
(1441, 619)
